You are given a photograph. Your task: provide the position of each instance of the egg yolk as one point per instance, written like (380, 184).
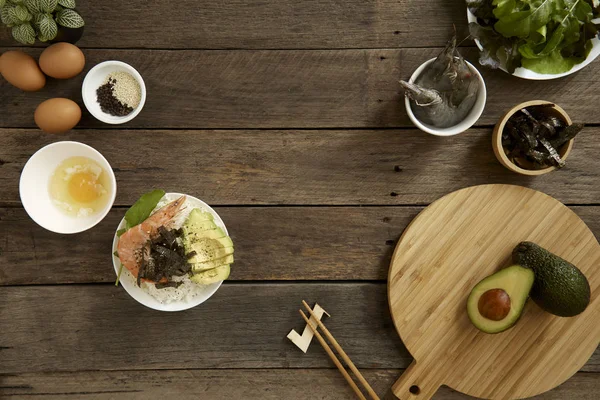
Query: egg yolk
(83, 187)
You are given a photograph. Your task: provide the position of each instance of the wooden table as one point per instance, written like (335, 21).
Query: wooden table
(286, 116)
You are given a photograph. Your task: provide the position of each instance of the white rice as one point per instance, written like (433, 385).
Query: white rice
(188, 289)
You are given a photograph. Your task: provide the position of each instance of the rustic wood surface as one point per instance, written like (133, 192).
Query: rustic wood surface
(267, 384)
(99, 327)
(287, 117)
(301, 239)
(292, 89)
(444, 252)
(300, 167)
(269, 24)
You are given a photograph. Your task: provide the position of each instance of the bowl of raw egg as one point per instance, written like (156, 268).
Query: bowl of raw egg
(67, 187)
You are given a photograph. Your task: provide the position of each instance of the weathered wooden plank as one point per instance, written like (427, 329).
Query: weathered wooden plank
(385, 167)
(324, 384)
(99, 327)
(271, 24)
(291, 89)
(274, 243)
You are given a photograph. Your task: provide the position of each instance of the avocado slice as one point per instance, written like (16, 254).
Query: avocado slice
(214, 233)
(496, 303)
(198, 227)
(197, 215)
(208, 250)
(212, 275)
(560, 288)
(202, 266)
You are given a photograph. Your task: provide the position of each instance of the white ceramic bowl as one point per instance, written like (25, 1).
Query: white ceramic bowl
(469, 120)
(128, 281)
(34, 187)
(527, 74)
(95, 78)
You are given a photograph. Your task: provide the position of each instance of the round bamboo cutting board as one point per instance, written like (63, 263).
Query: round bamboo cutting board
(449, 247)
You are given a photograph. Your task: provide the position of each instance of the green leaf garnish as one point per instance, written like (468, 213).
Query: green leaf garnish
(141, 209)
(119, 275)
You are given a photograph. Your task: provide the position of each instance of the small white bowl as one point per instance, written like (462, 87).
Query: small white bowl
(469, 120)
(96, 77)
(35, 181)
(141, 296)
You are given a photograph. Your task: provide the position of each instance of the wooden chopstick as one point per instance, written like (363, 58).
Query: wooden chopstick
(337, 362)
(341, 351)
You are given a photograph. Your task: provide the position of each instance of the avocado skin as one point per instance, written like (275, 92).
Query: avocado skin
(559, 288)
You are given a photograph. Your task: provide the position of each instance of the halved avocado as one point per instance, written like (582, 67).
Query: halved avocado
(496, 303)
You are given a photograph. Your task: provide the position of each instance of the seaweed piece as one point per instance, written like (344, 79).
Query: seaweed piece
(533, 137)
(168, 285)
(566, 134)
(554, 156)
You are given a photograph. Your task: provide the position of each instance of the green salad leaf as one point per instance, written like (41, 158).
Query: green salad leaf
(498, 51)
(142, 208)
(522, 17)
(550, 36)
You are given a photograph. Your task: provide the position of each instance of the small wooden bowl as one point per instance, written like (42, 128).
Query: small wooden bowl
(564, 151)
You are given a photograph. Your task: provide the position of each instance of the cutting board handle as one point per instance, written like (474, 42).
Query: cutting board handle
(417, 383)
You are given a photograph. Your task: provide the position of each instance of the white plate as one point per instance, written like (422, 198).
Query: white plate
(128, 281)
(527, 74)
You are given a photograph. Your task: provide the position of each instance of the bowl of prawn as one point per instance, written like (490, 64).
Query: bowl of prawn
(462, 126)
(143, 296)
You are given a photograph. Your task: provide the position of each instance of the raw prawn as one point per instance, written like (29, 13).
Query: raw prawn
(133, 245)
(445, 92)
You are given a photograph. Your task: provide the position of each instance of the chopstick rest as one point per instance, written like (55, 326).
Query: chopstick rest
(307, 335)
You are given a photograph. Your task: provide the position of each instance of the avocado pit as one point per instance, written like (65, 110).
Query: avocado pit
(494, 304)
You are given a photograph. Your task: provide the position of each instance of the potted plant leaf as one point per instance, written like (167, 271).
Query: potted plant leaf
(44, 20)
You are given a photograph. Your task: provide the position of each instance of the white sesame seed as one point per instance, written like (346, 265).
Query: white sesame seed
(126, 88)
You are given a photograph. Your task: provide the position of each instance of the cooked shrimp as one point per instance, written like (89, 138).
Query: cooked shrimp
(132, 247)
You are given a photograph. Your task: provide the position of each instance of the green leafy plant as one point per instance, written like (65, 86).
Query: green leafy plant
(544, 36)
(41, 19)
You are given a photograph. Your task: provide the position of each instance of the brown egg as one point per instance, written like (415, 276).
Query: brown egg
(62, 61)
(21, 70)
(57, 115)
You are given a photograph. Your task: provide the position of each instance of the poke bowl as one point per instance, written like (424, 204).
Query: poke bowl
(188, 293)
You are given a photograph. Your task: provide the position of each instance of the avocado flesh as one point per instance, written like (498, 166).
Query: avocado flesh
(211, 248)
(516, 281)
(560, 288)
(203, 266)
(212, 275)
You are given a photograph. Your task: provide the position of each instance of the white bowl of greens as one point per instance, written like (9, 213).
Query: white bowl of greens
(200, 226)
(538, 40)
